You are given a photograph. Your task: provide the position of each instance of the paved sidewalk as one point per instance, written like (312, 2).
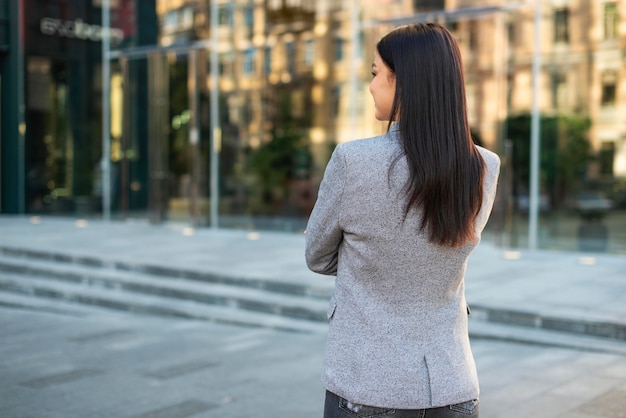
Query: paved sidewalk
(111, 364)
(582, 291)
(120, 365)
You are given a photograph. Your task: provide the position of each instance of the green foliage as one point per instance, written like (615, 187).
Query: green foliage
(565, 153)
(285, 157)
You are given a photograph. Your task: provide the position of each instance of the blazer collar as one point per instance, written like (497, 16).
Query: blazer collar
(394, 131)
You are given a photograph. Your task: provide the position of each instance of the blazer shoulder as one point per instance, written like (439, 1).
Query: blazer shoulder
(364, 146)
(491, 158)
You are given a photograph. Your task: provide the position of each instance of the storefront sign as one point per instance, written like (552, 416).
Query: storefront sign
(77, 29)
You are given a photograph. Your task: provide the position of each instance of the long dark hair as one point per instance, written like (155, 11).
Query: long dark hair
(446, 169)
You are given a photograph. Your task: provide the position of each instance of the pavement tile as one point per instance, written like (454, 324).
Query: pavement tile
(217, 371)
(611, 404)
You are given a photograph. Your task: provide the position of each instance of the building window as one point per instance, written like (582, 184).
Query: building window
(561, 25)
(249, 16)
(245, 109)
(226, 63)
(361, 50)
(559, 91)
(297, 103)
(510, 32)
(290, 50)
(610, 20)
(249, 56)
(428, 5)
(309, 52)
(186, 18)
(609, 89)
(178, 20)
(225, 15)
(339, 49)
(267, 60)
(472, 34)
(170, 22)
(334, 107)
(606, 157)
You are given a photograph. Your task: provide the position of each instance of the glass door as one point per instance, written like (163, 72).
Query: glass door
(157, 148)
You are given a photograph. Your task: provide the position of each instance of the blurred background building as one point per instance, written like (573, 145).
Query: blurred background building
(243, 143)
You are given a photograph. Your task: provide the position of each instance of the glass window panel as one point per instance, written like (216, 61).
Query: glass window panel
(339, 49)
(248, 61)
(609, 88)
(286, 98)
(225, 17)
(290, 55)
(309, 52)
(561, 26)
(267, 60)
(610, 20)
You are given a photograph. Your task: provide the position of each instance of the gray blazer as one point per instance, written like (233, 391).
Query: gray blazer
(398, 333)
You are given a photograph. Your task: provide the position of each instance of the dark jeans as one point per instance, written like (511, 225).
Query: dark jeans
(337, 407)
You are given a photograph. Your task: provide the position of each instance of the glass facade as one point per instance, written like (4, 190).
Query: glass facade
(61, 63)
(243, 143)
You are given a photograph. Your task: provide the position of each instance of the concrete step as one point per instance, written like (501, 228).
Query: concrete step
(588, 327)
(479, 329)
(39, 295)
(24, 291)
(54, 306)
(244, 298)
(25, 257)
(231, 297)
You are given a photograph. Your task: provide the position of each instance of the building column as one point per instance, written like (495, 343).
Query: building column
(12, 125)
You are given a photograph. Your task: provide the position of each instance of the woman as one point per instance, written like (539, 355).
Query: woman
(395, 220)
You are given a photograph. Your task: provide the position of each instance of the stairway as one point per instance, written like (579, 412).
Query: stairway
(62, 283)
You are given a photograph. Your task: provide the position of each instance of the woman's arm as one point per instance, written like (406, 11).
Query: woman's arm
(323, 232)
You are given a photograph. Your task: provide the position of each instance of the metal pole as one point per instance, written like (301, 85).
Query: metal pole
(194, 136)
(354, 67)
(105, 163)
(21, 145)
(499, 76)
(215, 128)
(535, 139)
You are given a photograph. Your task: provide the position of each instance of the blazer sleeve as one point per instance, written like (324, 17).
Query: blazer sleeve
(324, 233)
(492, 162)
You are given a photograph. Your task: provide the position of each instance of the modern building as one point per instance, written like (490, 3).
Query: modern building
(224, 113)
(51, 98)
(582, 94)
